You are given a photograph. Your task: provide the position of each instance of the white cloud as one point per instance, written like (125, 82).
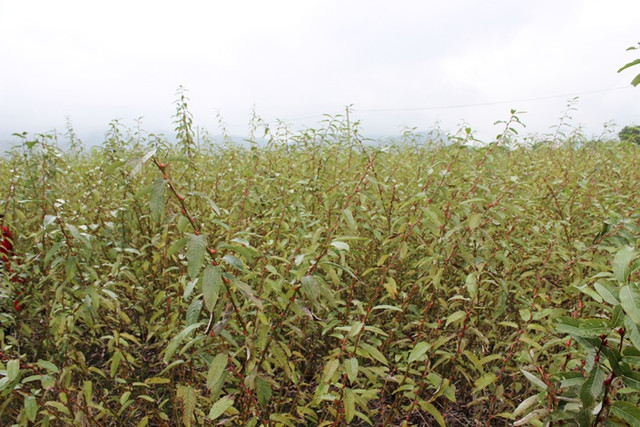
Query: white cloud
(99, 61)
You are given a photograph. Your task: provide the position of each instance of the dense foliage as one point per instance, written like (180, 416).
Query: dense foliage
(317, 280)
(630, 134)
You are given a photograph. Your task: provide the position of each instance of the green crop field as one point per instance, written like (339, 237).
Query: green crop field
(319, 279)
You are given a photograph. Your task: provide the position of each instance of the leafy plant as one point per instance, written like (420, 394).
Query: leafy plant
(636, 79)
(630, 134)
(319, 279)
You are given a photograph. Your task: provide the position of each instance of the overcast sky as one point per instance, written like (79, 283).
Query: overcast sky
(416, 62)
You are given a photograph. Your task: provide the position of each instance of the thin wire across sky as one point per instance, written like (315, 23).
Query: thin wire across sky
(478, 104)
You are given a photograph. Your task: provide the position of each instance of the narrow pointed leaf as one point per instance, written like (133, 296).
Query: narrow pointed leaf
(484, 381)
(263, 390)
(351, 368)
(626, 411)
(156, 198)
(349, 404)
(534, 380)
(211, 284)
(173, 344)
(220, 407)
(630, 301)
(418, 351)
(433, 411)
(196, 251)
(13, 369)
(592, 387)
(621, 263)
(216, 370)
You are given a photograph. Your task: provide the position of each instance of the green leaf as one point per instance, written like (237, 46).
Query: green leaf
(374, 352)
(216, 370)
(386, 307)
(184, 225)
(621, 263)
(157, 380)
(220, 407)
(433, 411)
(138, 162)
(632, 381)
(156, 198)
(472, 284)
(177, 246)
(484, 381)
(48, 382)
(351, 368)
(632, 332)
(173, 344)
(582, 327)
(211, 284)
(30, 407)
(196, 251)
(115, 362)
(71, 267)
(189, 400)
(391, 286)
(630, 64)
(59, 406)
(211, 203)
(525, 404)
(349, 404)
(418, 351)
(456, 316)
(626, 411)
(608, 292)
(348, 216)
(593, 386)
(341, 246)
(125, 397)
(534, 380)
(247, 292)
(474, 220)
(13, 369)
(188, 288)
(263, 390)
(630, 301)
(329, 370)
(193, 312)
(617, 317)
(87, 391)
(234, 262)
(310, 288)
